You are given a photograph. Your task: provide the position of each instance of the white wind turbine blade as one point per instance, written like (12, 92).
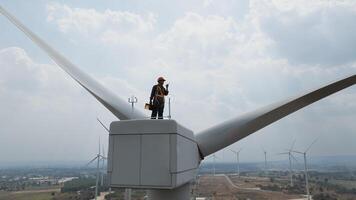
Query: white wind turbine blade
(283, 153)
(294, 158)
(96, 157)
(102, 124)
(103, 157)
(291, 148)
(231, 131)
(103, 151)
(112, 102)
(294, 151)
(311, 145)
(99, 149)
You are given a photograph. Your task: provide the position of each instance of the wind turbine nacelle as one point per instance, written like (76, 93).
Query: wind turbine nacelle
(151, 154)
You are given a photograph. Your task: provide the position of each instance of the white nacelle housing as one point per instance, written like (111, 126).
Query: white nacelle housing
(151, 154)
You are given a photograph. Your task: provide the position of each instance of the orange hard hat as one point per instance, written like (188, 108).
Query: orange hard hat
(160, 79)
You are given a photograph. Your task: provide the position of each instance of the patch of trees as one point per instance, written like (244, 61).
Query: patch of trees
(296, 189)
(341, 190)
(324, 196)
(273, 187)
(78, 184)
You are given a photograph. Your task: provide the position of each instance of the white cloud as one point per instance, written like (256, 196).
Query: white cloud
(305, 6)
(118, 27)
(194, 36)
(309, 32)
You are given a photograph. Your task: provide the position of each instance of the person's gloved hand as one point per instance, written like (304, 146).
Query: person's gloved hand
(167, 85)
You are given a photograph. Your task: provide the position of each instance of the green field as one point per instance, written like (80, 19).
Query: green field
(345, 183)
(28, 195)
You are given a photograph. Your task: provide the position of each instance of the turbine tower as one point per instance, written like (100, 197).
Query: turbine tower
(214, 163)
(237, 153)
(97, 158)
(103, 168)
(162, 155)
(103, 160)
(265, 153)
(305, 166)
(290, 157)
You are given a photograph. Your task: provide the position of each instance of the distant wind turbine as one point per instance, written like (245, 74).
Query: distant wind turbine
(214, 163)
(103, 160)
(305, 166)
(290, 157)
(237, 153)
(97, 158)
(103, 171)
(265, 153)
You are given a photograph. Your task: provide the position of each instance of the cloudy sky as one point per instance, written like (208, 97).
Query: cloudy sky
(221, 57)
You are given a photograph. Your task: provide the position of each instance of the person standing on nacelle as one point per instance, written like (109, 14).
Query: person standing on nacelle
(157, 98)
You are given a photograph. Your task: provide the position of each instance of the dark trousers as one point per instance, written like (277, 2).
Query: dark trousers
(157, 110)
